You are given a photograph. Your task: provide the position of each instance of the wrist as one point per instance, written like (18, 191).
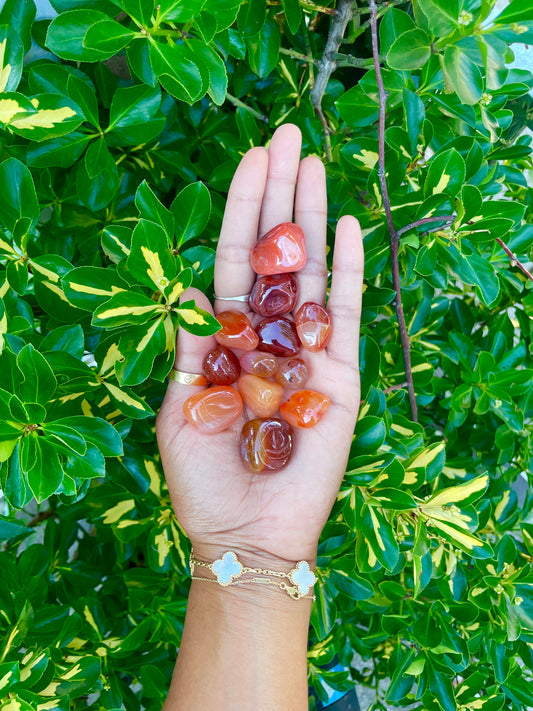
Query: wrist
(253, 556)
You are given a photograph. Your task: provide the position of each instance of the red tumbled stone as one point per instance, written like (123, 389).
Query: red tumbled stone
(313, 325)
(274, 294)
(278, 335)
(262, 364)
(221, 366)
(279, 251)
(236, 331)
(292, 373)
(213, 410)
(304, 408)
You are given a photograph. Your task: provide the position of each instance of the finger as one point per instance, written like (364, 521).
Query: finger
(283, 162)
(311, 214)
(190, 354)
(344, 303)
(233, 273)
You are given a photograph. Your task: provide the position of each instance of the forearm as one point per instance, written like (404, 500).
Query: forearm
(243, 649)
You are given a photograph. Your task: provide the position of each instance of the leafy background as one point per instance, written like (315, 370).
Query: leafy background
(120, 133)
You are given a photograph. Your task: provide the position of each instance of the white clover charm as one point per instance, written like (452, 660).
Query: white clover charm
(303, 577)
(227, 568)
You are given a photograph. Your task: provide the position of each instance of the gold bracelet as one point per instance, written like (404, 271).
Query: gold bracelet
(228, 570)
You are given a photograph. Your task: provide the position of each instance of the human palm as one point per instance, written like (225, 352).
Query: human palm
(218, 502)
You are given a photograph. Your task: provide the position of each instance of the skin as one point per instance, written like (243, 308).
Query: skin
(255, 654)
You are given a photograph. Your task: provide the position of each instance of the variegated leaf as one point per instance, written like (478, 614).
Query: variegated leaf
(150, 259)
(126, 307)
(196, 320)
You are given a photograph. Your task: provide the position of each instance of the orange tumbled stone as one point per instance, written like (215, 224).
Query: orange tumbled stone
(266, 445)
(313, 326)
(261, 396)
(236, 331)
(257, 363)
(279, 251)
(213, 410)
(292, 373)
(304, 408)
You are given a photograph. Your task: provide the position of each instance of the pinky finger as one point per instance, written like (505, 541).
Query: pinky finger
(344, 303)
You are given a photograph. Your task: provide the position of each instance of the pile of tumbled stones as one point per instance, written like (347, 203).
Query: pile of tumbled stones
(264, 361)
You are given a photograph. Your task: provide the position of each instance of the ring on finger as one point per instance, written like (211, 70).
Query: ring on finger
(244, 298)
(180, 376)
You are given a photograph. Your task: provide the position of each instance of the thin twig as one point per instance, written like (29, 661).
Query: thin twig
(343, 15)
(240, 104)
(515, 262)
(394, 240)
(447, 219)
(298, 55)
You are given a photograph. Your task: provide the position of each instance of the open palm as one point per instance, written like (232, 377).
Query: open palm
(217, 501)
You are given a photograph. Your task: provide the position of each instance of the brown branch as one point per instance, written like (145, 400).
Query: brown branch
(394, 240)
(515, 262)
(447, 219)
(343, 14)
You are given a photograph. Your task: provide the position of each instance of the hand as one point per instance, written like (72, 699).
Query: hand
(217, 501)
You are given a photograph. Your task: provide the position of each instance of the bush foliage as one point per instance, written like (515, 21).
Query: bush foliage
(117, 148)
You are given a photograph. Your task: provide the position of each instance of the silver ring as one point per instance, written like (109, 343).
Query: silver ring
(244, 298)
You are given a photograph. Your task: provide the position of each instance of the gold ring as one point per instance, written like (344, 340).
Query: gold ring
(178, 376)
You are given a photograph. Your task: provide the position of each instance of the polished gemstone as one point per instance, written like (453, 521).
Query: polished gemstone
(213, 410)
(262, 397)
(274, 295)
(236, 331)
(278, 335)
(262, 364)
(221, 366)
(280, 250)
(292, 373)
(304, 408)
(313, 325)
(266, 445)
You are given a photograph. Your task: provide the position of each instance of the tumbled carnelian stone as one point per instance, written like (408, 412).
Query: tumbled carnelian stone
(278, 335)
(262, 397)
(304, 408)
(236, 331)
(221, 366)
(266, 445)
(213, 410)
(313, 325)
(262, 364)
(274, 294)
(280, 250)
(292, 373)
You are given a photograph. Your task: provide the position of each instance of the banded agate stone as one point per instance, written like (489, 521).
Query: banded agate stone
(291, 373)
(313, 326)
(304, 408)
(213, 410)
(277, 335)
(257, 363)
(266, 445)
(236, 332)
(261, 396)
(279, 251)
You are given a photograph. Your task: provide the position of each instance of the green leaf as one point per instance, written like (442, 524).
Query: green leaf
(180, 10)
(205, 55)
(141, 10)
(370, 433)
(108, 36)
(18, 198)
(475, 270)
(46, 474)
(191, 209)
(59, 152)
(85, 97)
(446, 173)
(67, 31)
(89, 287)
(88, 466)
(263, 49)
(19, 16)
(124, 308)
(133, 106)
(66, 436)
(39, 380)
(116, 242)
(47, 272)
(128, 403)
(150, 259)
(178, 72)
(96, 431)
(393, 23)
(357, 108)
(462, 75)
(465, 494)
(442, 15)
(380, 537)
(415, 114)
(352, 585)
(141, 345)
(49, 116)
(251, 17)
(196, 320)
(153, 210)
(293, 14)
(410, 51)
(11, 56)
(138, 54)
(10, 529)
(97, 178)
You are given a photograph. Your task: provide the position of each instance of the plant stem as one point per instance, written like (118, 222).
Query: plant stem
(394, 240)
(448, 219)
(514, 259)
(298, 55)
(240, 104)
(343, 14)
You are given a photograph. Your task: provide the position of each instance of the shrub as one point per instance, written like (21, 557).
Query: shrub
(118, 145)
